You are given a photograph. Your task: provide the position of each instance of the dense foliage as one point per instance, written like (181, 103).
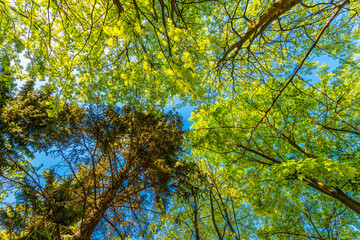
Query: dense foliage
(273, 151)
(113, 160)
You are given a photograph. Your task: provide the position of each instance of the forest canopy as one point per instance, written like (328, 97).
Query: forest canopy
(273, 149)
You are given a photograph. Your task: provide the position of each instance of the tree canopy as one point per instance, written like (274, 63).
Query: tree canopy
(272, 153)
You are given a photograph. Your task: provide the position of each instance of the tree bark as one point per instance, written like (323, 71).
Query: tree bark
(102, 204)
(279, 8)
(336, 193)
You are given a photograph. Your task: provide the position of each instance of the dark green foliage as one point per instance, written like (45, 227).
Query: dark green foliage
(140, 152)
(119, 160)
(150, 142)
(11, 219)
(40, 211)
(6, 84)
(61, 209)
(36, 234)
(27, 125)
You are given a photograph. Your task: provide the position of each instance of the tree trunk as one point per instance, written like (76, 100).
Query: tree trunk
(336, 193)
(102, 204)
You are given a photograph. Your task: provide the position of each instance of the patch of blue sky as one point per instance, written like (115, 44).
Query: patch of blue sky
(184, 110)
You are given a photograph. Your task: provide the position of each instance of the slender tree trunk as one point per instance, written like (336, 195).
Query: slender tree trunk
(213, 216)
(196, 220)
